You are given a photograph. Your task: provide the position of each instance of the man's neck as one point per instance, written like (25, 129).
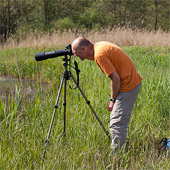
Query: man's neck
(92, 52)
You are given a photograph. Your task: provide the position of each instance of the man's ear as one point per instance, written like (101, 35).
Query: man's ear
(82, 48)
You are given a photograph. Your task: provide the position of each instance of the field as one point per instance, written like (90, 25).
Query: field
(25, 117)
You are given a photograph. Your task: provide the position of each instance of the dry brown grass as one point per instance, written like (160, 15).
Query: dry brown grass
(121, 37)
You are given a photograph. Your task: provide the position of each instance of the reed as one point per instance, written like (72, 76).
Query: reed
(119, 36)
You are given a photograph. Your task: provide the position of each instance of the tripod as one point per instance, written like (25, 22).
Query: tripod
(66, 76)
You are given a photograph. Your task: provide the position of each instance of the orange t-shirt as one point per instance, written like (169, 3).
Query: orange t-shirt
(110, 58)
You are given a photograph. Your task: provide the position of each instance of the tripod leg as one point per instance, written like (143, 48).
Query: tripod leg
(56, 106)
(64, 104)
(88, 102)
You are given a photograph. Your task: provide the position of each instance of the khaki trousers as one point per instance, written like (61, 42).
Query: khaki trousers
(120, 116)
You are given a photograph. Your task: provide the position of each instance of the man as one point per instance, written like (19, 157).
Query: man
(125, 82)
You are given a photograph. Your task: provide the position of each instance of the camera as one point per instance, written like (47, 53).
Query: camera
(52, 54)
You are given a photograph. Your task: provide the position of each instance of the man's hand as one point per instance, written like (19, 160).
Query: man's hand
(110, 106)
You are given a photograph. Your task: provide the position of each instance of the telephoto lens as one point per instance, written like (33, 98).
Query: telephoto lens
(52, 54)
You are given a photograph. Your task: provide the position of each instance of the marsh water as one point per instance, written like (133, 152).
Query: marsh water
(10, 86)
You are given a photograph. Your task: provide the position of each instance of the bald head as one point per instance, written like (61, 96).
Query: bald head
(83, 48)
(80, 42)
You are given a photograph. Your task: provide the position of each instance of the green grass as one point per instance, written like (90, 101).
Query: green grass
(25, 121)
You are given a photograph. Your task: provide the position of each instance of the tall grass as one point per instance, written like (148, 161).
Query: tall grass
(24, 122)
(119, 36)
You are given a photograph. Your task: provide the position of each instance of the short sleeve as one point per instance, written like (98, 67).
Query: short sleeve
(105, 65)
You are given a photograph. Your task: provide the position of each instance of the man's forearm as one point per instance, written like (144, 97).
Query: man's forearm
(115, 86)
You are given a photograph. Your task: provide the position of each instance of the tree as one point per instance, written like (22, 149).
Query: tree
(46, 12)
(24, 16)
(156, 15)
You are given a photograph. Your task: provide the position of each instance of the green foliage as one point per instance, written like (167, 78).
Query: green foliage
(25, 119)
(64, 24)
(22, 16)
(91, 19)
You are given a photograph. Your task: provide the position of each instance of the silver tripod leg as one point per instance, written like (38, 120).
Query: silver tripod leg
(56, 106)
(88, 102)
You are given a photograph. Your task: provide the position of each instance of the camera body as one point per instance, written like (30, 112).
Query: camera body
(52, 54)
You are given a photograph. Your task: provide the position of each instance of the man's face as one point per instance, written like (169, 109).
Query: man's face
(79, 52)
